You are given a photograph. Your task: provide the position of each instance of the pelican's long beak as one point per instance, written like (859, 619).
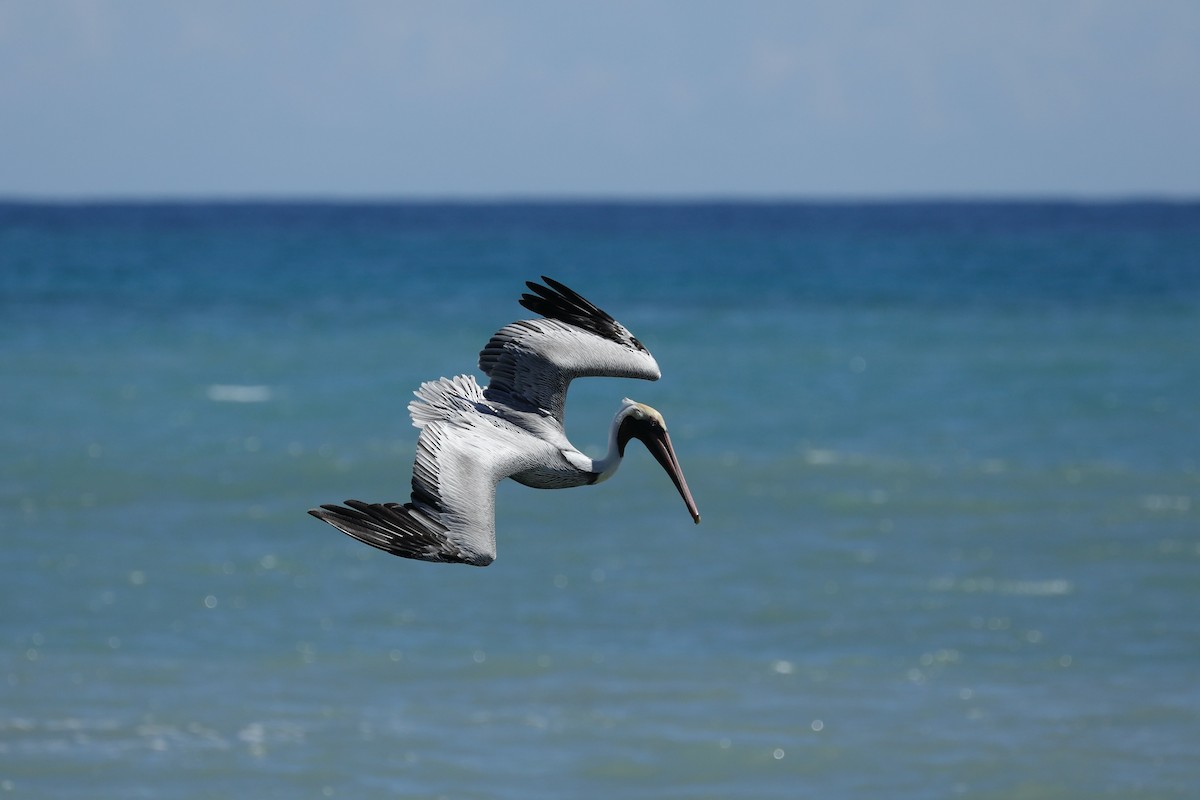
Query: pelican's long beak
(660, 447)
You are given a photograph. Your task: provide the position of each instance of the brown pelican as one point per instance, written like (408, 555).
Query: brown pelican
(472, 437)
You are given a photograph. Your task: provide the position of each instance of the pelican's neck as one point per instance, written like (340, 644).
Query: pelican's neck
(605, 467)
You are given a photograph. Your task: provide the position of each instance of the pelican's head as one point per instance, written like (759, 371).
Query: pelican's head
(640, 421)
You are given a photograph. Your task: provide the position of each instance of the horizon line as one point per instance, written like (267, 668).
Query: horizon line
(596, 198)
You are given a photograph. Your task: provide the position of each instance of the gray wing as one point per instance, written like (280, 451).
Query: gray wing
(451, 516)
(531, 363)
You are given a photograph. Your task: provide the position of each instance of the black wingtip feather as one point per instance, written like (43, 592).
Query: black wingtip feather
(401, 530)
(558, 301)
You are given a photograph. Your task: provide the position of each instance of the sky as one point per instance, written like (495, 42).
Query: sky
(673, 99)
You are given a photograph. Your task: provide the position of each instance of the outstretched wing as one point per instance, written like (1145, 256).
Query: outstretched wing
(531, 363)
(451, 516)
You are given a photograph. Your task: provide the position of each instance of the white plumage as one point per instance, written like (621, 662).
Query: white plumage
(473, 437)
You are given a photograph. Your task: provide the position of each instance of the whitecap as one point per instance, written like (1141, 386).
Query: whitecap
(820, 458)
(1053, 586)
(238, 393)
(1166, 502)
(1035, 588)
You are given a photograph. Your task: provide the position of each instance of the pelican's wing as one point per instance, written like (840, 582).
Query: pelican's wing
(531, 363)
(451, 516)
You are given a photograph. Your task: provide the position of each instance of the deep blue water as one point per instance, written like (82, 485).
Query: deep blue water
(946, 455)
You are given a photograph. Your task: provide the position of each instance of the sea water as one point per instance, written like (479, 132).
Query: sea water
(947, 457)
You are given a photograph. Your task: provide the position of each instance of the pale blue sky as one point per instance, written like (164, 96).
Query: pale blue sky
(457, 99)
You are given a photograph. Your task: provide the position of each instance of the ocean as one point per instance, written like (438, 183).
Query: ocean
(947, 457)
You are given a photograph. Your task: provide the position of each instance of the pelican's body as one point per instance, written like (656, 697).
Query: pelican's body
(473, 437)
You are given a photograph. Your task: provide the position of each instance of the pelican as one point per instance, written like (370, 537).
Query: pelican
(473, 437)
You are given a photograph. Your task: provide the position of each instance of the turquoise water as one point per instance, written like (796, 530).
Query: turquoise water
(946, 456)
